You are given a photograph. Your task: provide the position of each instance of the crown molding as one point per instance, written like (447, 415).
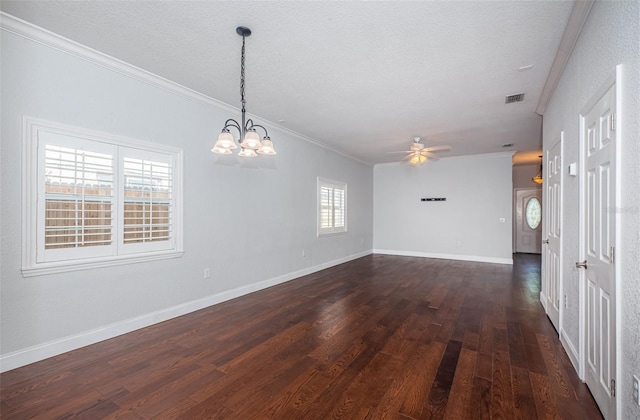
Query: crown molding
(42, 36)
(50, 39)
(577, 19)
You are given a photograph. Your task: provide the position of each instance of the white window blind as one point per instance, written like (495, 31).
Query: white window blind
(92, 199)
(332, 207)
(147, 200)
(78, 188)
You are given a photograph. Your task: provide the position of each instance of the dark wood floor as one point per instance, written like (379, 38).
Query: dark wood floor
(379, 337)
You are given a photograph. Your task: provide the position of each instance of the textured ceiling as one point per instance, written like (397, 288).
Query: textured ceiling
(360, 77)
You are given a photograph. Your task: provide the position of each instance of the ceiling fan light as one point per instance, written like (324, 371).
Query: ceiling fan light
(266, 147)
(417, 159)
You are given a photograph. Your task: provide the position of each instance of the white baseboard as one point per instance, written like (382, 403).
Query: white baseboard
(43, 351)
(571, 351)
(458, 257)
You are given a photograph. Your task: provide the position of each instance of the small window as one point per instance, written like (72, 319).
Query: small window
(332, 207)
(93, 199)
(533, 213)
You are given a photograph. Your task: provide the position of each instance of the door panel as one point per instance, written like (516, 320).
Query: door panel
(553, 255)
(599, 276)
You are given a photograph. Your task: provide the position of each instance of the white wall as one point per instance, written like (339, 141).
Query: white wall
(264, 208)
(611, 36)
(466, 226)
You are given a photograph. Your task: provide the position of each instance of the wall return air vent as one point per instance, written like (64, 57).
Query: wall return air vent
(519, 97)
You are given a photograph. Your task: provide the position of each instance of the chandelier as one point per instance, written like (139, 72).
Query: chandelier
(250, 143)
(538, 178)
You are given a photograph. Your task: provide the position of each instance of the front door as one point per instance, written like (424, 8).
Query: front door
(552, 251)
(598, 137)
(528, 220)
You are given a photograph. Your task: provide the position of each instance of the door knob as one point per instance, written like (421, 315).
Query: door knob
(582, 264)
(545, 241)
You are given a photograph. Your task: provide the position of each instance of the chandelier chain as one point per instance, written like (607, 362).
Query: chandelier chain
(242, 74)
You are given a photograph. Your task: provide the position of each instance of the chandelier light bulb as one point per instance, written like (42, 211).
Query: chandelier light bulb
(225, 140)
(247, 153)
(251, 140)
(267, 147)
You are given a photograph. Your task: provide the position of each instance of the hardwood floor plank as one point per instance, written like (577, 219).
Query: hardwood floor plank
(459, 401)
(480, 399)
(441, 387)
(151, 401)
(381, 337)
(524, 406)
(517, 351)
(483, 369)
(425, 363)
(543, 396)
(501, 389)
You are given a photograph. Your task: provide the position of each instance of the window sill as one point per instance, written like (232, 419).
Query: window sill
(67, 266)
(325, 234)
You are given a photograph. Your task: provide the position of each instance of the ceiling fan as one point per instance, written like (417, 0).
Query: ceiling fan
(418, 154)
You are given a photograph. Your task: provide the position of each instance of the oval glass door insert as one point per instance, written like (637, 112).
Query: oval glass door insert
(533, 213)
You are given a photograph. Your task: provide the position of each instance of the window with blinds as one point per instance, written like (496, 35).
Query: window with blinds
(92, 198)
(332, 207)
(78, 199)
(147, 200)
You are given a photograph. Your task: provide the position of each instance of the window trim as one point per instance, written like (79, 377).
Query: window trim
(325, 182)
(30, 266)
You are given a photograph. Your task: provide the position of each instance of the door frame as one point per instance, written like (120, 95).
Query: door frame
(615, 79)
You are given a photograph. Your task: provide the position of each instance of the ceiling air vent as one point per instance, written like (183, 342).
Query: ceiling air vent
(514, 98)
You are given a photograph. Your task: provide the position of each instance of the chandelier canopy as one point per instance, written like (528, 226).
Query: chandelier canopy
(250, 143)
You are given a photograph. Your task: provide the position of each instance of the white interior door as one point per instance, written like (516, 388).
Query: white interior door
(553, 246)
(528, 220)
(598, 249)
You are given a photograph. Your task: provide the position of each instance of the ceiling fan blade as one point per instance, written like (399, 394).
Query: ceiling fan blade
(396, 152)
(430, 155)
(437, 148)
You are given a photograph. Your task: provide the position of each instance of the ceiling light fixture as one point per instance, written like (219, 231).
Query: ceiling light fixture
(538, 178)
(250, 143)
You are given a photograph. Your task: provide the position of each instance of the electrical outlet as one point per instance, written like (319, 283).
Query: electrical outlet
(207, 273)
(636, 389)
(565, 301)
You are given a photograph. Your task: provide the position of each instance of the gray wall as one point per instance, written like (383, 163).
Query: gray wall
(611, 36)
(264, 208)
(522, 175)
(466, 226)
